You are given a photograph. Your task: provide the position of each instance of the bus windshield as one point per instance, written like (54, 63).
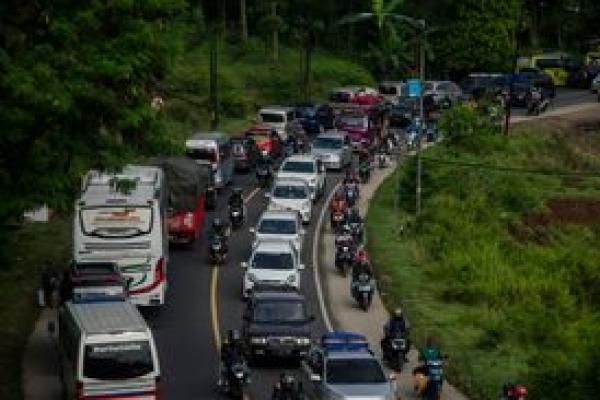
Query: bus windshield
(116, 221)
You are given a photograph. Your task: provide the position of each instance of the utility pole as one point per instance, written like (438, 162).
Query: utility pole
(420, 33)
(214, 99)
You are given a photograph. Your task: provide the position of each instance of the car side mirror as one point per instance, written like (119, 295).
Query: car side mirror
(267, 195)
(252, 230)
(244, 264)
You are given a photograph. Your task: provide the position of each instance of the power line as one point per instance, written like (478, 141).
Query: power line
(588, 174)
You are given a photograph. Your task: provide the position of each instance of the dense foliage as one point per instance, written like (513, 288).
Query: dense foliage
(502, 266)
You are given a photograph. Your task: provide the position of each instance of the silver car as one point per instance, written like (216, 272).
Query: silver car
(333, 149)
(445, 93)
(345, 375)
(280, 225)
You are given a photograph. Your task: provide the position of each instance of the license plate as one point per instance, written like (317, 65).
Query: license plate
(364, 288)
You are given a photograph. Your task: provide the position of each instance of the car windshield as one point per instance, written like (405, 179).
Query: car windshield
(117, 361)
(354, 121)
(389, 90)
(277, 226)
(204, 154)
(305, 167)
(293, 192)
(306, 112)
(328, 143)
(354, 371)
(279, 311)
(272, 261)
(272, 117)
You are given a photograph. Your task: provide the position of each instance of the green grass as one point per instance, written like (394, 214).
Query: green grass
(32, 248)
(506, 300)
(248, 79)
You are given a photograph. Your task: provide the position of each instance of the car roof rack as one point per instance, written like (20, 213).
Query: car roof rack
(344, 341)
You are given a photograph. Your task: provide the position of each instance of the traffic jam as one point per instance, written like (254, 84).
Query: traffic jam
(129, 224)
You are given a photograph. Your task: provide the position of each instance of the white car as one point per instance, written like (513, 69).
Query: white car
(272, 263)
(292, 195)
(278, 118)
(308, 168)
(280, 225)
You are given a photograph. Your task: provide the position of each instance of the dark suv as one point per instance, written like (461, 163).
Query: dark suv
(276, 324)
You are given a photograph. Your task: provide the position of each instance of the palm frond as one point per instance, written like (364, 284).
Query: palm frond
(392, 5)
(351, 19)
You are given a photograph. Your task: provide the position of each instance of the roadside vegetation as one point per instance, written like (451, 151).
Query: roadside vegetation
(502, 266)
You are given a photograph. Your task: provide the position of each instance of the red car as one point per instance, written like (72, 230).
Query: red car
(361, 128)
(265, 139)
(359, 95)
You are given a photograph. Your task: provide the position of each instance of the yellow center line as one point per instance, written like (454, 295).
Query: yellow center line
(214, 310)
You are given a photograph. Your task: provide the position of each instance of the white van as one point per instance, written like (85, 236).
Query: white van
(278, 118)
(213, 149)
(107, 351)
(121, 218)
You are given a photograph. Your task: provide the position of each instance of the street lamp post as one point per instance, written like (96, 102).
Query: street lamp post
(420, 33)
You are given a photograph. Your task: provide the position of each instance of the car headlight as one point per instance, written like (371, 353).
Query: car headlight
(303, 341)
(251, 277)
(291, 279)
(258, 340)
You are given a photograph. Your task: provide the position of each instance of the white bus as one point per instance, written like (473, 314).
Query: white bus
(121, 218)
(106, 351)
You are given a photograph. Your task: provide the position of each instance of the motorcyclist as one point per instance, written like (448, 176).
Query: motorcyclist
(264, 160)
(220, 232)
(286, 388)
(514, 391)
(430, 352)
(236, 200)
(351, 177)
(292, 142)
(353, 216)
(338, 202)
(231, 352)
(361, 265)
(397, 326)
(344, 238)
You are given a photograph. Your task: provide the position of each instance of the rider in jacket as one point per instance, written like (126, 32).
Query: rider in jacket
(220, 231)
(231, 351)
(397, 326)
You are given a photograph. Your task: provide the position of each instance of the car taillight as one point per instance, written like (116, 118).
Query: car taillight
(79, 390)
(160, 270)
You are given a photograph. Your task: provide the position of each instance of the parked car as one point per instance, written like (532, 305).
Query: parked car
(276, 324)
(308, 115)
(342, 367)
(280, 225)
(444, 93)
(478, 82)
(244, 153)
(265, 138)
(308, 168)
(333, 148)
(278, 118)
(291, 194)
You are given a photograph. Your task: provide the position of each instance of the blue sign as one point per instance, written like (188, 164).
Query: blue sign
(414, 87)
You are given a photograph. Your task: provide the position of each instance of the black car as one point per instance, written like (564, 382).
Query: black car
(276, 324)
(326, 116)
(244, 153)
(308, 114)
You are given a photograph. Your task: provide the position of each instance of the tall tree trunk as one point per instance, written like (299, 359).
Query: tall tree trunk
(214, 99)
(243, 21)
(275, 33)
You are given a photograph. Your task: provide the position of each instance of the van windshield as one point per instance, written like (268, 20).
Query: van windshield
(116, 221)
(116, 361)
(389, 90)
(202, 154)
(272, 118)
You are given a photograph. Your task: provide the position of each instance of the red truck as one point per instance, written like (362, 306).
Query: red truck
(187, 184)
(265, 139)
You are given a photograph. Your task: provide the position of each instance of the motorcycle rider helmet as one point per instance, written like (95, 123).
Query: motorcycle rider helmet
(398, 312)
(264, 153)
(520, 391)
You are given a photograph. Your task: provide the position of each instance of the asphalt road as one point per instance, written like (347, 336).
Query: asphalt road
(565, 97)
(183, 328)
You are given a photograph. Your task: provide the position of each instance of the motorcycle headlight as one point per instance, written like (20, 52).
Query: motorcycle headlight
(258, 340)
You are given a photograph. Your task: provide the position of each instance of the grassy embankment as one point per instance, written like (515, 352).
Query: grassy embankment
(503, 266)
(247, 80)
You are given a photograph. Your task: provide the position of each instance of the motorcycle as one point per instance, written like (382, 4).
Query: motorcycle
(236, 217)
(357, 231)
(217, 250)
(351, 193)
(344, 256)
(435, 378)
(395, 350)
(381, 160)
(238, 380)
(263, 175)
(337, 219)
(536, 104)
(364, 172)
(362, 291)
